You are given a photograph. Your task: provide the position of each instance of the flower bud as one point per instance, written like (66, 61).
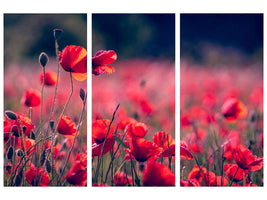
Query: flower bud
(11, 115)
(82, 94)
(43, 59)
(57, 33)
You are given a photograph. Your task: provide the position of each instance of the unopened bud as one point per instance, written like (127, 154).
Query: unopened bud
(82, 94)
(11, 115)
(57, 33)
(43, 59)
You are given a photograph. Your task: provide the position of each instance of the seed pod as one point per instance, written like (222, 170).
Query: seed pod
(10, 152)
(11, 115)
(43, 59)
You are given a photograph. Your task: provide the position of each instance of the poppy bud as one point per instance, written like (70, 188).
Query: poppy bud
(82, 94)
(20, 153)
(43, 158)
(48, 166)
(10, 153)
(43, 59)
(51, 123)
(11, 115)
(57, 33)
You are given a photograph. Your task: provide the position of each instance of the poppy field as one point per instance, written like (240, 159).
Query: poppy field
(133, 138)
(221, 125)
(45, 129)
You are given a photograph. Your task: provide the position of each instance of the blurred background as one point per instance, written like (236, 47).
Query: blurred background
(27, 35)
(135, 35)
(218, 39)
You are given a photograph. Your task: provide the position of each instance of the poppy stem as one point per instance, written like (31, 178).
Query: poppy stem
(200, 170)
(76, 134)
(234, 176)
(102, 150)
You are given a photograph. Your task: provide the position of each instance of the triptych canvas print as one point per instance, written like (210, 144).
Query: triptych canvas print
(148, 108)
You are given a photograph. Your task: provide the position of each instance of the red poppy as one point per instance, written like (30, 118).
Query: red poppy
(233, 109)
(15, 126)
(101, 60)
(124, 122)
(212, 180)
(157, 174)
(77, 174)
(121, 179)
(165, 140)
(143, 150)
(58, 155)
(97, 147)
(234, 173)
(189, 182)
(67, 127)
(245, 160)
(31, 174)
(50, 78)
(31, 98)
(184, 152)
(137, 129)
(74, 59)
(100, 129)
(196, 174)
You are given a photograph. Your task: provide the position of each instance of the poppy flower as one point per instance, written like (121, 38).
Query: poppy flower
(157, 174)
(15, 126)
(184, 152)
(233, 109)
(67, 127)
(165, 140)
(59, 155)
(124, 122)
(100, 129)
(234, 173)
(189, 182)
(97, 147)
(74, 59)
(77, 175)
(101, 60)
(196, 174)
(245, 160)
(137, 129)
(50, 78)
(212, 180)
(142, 149)
(31, 174)
(31, 98)
(121, 179)
(19, 143)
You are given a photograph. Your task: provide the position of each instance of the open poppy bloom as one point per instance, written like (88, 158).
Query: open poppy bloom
(212, 180)
(184, 152)
(15, 126)
(50, 78)
(99, 132)
(121, 179)
(100, 129)
(31, 98)
(196, 174)
(233, 109)
(165, 140)
(58, 155)
(67, 127)
(31, 174)
(245, 160)
(101, 60)
(77, 174)
(157, 174)
(74, 59)
(124, 122)
(143, 150)
(234, 173)
(137, 129)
